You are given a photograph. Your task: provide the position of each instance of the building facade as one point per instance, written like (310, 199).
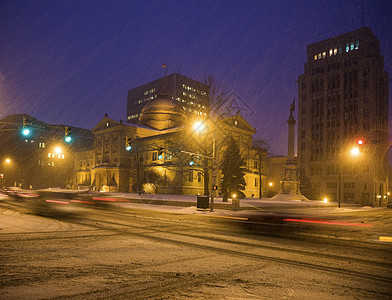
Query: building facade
(168, 154)
(192, 95)
(40, 158)
(342, 98)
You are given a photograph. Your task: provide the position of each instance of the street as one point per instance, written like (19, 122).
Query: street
(133, 253)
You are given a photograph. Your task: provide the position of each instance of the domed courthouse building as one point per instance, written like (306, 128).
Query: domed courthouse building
(168, 151)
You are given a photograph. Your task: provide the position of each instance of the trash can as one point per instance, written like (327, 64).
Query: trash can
(235, 204)
(203, 202)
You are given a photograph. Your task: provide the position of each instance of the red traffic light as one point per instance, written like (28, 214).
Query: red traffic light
(360, 142)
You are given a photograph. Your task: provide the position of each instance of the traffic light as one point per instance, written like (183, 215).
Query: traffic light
(128, 143)
(67, 135)
(360, 142)
(192, 161)
(215, 187)
(160, 153)
(26, 127)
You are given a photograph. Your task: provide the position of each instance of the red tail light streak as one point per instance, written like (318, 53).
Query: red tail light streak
(317, 221)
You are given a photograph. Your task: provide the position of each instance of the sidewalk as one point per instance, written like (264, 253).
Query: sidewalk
(244, 204)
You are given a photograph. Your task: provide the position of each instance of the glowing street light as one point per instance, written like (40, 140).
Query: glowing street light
(355, 151)
(58, 150)
(8, 161)
(198, 126)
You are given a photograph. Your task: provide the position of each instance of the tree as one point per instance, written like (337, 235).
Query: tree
(149, 177)
(233, 181)
(218, 97)
(305, 186)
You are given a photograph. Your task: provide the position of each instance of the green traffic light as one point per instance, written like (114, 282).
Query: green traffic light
(26, 132)
(68, 139)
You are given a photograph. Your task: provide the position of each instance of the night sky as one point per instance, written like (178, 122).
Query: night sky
(70, 62)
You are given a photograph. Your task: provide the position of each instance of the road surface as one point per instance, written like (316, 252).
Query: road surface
(127, 253)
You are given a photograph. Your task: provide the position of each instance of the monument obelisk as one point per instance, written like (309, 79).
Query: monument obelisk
(289, 183)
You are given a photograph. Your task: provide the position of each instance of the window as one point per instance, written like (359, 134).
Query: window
(190, 174)
(154, 156)
(256, 182)
(199, 177)
(324, 54)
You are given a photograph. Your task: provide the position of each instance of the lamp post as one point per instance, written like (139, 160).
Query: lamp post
(354, 152)
(199, 127)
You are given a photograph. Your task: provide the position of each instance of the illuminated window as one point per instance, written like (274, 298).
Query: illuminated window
(330, 52)
(347, 47)
(356, 45)
(335, 51)
(315, 57)
(352, 46)
(319, 55)
(324, 54)
(49, 154)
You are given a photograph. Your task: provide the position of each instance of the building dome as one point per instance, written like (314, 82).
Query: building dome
(162, 113)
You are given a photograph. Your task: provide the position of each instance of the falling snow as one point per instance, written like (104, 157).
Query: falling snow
(70, 62)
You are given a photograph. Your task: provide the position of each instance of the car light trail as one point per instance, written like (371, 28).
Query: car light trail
(385, 238)
(326, 222)
(104, 199)
(226, 217)
(81, 201)
(121, 200)
(57, 201)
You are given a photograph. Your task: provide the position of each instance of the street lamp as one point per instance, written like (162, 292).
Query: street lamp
(354, 152)
(58, 150)
(199, 127)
